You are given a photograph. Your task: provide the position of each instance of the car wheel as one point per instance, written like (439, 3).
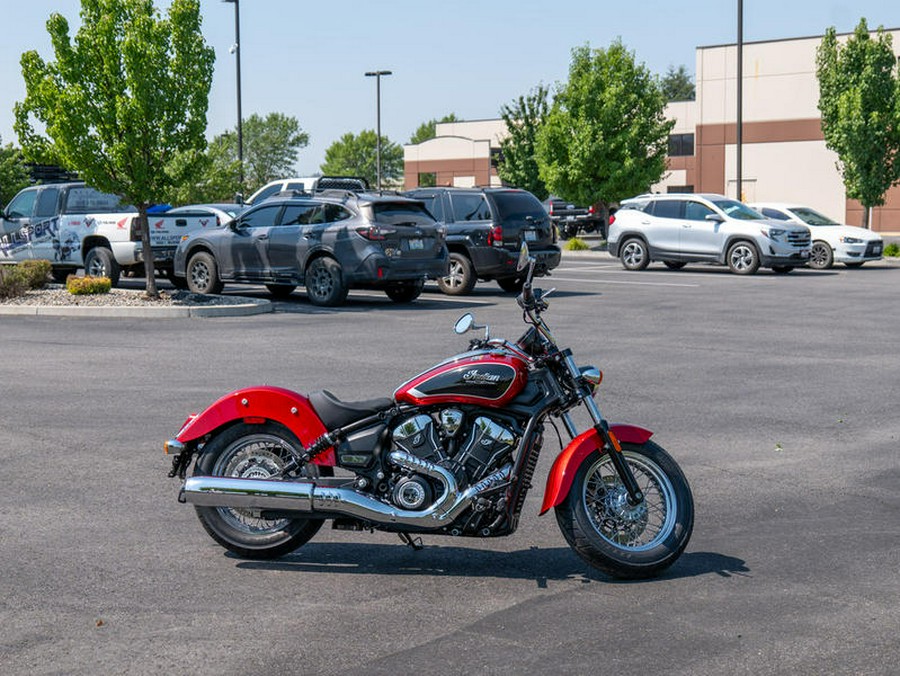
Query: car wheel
(743, 259)
(821, 257)
(325, 283)
(634, 254)
(782, 269)
(281, 290)
(675, 265)
(203, 274)
(405, 292)
(461, 279)
(511, 284)
(854, 265)
(100, 263)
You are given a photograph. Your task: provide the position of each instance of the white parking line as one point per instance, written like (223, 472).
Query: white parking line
(607, 281)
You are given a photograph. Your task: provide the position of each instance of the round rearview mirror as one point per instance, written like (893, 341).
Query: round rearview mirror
(464, 323)
(523, 258)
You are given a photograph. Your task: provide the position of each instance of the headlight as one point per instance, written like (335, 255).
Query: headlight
(591, 376)
(773, 233)
(851, 240)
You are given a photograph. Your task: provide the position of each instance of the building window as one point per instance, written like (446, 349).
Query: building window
(681, 145)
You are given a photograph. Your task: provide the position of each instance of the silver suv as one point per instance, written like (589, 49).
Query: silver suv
(678, 229)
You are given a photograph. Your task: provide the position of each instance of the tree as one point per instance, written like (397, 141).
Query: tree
(356, 155)
(13, 173)
(428, 130)
(677, 85)
(121, 101)
(523, 119)
(271, 146)
(605, 137)
(859, 98)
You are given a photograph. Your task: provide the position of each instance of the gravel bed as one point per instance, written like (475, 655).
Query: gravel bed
(56, 295)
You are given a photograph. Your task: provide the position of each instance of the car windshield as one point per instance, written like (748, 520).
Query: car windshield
(89, 201)
(401, 213)
(518, 206)
(812, 217)
(737, 210)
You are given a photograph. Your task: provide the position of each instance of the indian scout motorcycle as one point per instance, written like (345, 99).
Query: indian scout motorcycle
(453, 452)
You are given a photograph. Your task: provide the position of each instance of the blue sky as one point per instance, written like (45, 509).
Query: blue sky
(307, 59)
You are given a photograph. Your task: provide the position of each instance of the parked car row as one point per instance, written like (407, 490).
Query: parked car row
(677, 229)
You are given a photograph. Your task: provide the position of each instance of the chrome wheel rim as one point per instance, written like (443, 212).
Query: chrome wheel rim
(259, 456)
(97, 268)
(455, 279)
(742, 257)
(818, 256)
(200, 275)
(633, 254)
(634, 528)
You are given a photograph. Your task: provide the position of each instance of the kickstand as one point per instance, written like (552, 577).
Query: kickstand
(414, 544)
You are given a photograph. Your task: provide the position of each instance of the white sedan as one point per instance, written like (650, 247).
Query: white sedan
(831, 241)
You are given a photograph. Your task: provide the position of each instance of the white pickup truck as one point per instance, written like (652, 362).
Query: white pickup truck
(75, 226)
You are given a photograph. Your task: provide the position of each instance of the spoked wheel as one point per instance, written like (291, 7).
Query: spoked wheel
(821, 257)
(253, 452)
(461, 277)
(623, 540)
(743, 258)
(634, 254)
(325, 283)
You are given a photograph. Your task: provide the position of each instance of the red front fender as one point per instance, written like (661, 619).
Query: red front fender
(258, 405)
(567, 463)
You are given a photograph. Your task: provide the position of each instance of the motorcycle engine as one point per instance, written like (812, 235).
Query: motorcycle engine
(469, 446)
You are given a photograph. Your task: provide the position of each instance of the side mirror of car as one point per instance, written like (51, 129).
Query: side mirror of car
(715, 218)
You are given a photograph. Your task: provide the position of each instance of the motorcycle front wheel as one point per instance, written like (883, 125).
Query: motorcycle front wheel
(253, 452)
(623, 540)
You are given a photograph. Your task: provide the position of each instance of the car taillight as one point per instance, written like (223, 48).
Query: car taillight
(495, 236)
(591, 210)
(376, 232)
(612, 219)
(551, 208)
(135, 232)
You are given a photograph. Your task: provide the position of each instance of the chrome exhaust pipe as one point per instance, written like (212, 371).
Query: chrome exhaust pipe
(306, 497)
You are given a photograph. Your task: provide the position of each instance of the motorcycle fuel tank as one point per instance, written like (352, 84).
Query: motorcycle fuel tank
(481, 378)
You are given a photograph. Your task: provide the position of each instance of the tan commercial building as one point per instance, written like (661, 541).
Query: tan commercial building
(784, 154)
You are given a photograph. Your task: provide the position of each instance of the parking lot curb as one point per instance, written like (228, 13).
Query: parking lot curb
(250, 307)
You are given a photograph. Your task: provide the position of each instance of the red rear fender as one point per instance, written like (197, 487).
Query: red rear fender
(567, 463)
(256, 405)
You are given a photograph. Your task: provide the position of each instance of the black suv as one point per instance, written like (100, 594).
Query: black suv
(485, 228)
(330, 242)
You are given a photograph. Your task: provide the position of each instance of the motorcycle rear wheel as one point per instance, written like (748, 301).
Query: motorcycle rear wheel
(624, 541)
(253, 451)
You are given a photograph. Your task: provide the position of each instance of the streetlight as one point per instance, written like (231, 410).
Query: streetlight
(236, 50)
(377, 75)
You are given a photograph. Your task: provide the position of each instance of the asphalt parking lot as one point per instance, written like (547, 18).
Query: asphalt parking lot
(778, 395)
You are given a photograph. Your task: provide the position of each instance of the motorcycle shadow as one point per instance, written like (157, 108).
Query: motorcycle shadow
(535, 563)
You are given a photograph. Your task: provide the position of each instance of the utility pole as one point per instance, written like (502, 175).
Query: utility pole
(377, 75)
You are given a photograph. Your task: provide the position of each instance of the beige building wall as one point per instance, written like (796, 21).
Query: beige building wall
(460, 155)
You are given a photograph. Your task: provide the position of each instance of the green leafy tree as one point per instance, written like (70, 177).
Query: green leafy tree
(121, 101)
(859, 98)
(428, 130)
(605, 137)
(677, 84)
(356, 155)
(523, 118)
(13, 173)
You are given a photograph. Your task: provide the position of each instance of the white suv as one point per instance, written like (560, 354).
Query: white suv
(678, 229)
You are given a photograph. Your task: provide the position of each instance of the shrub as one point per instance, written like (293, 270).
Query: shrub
(36, 273)
(892, 250)
(12, 282)
(576, 244)
(79, 286)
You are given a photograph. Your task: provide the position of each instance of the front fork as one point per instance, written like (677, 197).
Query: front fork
(635, 494)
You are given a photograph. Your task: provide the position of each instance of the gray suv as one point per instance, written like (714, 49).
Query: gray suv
(678, 229)
(329, 242)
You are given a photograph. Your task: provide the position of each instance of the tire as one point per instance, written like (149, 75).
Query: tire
(743, 258)
(325, 282)
(511, 284)
(634, 254)
(782, 269)
(203, 274)
(253, 451)
(281, 291)
(674, 265)
(99, 262)
(405, 292)
(461, 279)
(821, 257)
(596, 519)
(854, 265)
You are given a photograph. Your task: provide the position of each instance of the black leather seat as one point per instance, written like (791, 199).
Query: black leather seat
(337, 413)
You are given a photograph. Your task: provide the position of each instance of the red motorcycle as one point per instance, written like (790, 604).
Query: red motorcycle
(453, 452)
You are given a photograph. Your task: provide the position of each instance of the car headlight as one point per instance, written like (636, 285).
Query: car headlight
(773, 233)
(851, 240)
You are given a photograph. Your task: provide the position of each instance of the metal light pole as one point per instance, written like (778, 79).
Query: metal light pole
(236, 50)
(377, 75)
(740, 96)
